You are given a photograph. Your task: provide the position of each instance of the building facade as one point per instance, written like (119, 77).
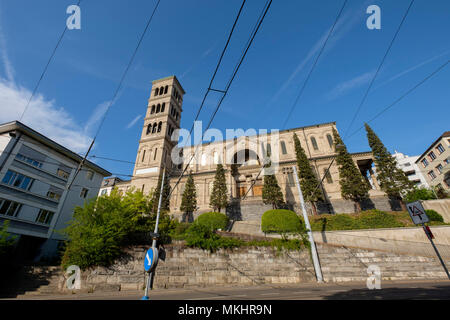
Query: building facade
(34, 197)
(242, 156)
(434, 163)
(108, 185)
(408, 165)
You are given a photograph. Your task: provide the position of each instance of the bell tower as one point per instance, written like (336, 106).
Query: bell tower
(161, 120)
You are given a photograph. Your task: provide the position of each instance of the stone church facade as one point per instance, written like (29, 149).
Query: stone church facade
(242, 158)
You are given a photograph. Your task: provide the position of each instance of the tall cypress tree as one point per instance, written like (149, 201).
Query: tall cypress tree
(392, 179)
(189, 198)
(271, 193)
(165, 201)
(353, 185)
(308, 180)
(219, 197)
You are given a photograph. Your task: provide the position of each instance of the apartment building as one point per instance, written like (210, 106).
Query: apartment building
(35, 173)
(108, 185)
(434, 162)
(408, 165)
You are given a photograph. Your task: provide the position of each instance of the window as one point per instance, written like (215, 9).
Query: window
(165, 89)
(424, 162)
(84, 193)
(159, 126)
(269, 149)
(153, 109)
(143, 156)
(407, 164)
(53, 194)
(447, 161)
(9, 208)
(156, 92)
(90, 175)
(44, 216)
(163, 107)
(149, 128)
(17, 180)
(63, 174)
(283, 147)
(154, 128)
(156, 151)
(432, 156)
(314, 143)
(158, 108)
(328, 175)
(104, 191)
(29, 160)
(432, 175)
(439, 168)
(330, 140)
(440, 148)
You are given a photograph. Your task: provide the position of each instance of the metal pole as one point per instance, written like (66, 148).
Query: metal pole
(150, 278)
(437, 252)
(314, 254)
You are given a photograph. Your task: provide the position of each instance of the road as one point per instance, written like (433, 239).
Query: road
(311, 291)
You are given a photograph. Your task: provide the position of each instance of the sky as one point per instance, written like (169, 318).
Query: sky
(186, 38)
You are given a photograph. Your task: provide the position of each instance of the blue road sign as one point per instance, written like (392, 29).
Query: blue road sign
(151, 257)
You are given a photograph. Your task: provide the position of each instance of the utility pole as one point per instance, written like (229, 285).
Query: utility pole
(314, 254)
(155, 238)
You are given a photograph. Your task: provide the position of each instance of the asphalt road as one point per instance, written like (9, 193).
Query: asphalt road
(333, 291)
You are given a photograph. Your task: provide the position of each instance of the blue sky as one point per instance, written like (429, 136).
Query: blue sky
(185, 39)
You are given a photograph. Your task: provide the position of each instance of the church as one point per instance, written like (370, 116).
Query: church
(242, 160)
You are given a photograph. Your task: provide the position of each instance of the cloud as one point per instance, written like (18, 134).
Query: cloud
(96, 116)
(133, 122)
(349, 85)
(9, 70)
(43, 115)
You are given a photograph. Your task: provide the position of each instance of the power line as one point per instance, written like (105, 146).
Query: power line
(314, 65)
(45, 68)
(224, 92)
(118, 87)
(378, 69)
(302, 89)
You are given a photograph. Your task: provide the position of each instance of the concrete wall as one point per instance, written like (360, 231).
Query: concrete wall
(440, 206)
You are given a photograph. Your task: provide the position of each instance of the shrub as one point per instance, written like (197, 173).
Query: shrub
(213, 220)
(419, 194)
(179, 231)
(202, 236)
(434, 216)
(333, 222)
(373, 219)
(6, 242)
(281, 221)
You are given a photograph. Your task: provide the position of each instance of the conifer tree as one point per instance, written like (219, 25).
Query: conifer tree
(219, 197)
(189, 198)
(271, 193)
(353, 185)
(392, 179)
(308, 180)
(165, 201)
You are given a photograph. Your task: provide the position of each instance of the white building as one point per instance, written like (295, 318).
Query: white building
(410, 168)
(108, 185)
(34, 176)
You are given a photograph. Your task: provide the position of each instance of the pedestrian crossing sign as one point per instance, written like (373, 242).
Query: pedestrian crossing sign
(417, 212)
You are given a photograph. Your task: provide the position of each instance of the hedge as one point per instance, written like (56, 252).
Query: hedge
(434, 216)
(213, 220)
(281, 221)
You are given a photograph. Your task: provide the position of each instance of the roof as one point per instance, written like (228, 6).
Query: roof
(19, 126)
(170, 78)
(444, 135)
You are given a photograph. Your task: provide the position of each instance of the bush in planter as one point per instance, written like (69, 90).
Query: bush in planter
(434, 216)
(213, 220)
(281, 221)
(372, 219)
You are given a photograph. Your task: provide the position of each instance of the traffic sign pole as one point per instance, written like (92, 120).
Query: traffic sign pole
(150, 274)
(437, 251)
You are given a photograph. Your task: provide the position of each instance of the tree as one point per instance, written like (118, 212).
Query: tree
(353, 185)
(219, 197)
(189, 198)
(419, 194)
(165, 201)
(308, 180)
(271, 193)
(392, 179)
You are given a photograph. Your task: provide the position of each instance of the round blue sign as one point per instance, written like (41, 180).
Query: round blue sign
(150, 259)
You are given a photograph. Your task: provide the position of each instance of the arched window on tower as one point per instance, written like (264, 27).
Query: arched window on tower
(156, 92)
(330, 140)
(163, 107)
(143, 155)
(153, 109)
(314, 143)
(154, 127)
(158, 108)
(156, 151)
(159, 126)
(149, 128)
(165, 89)
(283, 147)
